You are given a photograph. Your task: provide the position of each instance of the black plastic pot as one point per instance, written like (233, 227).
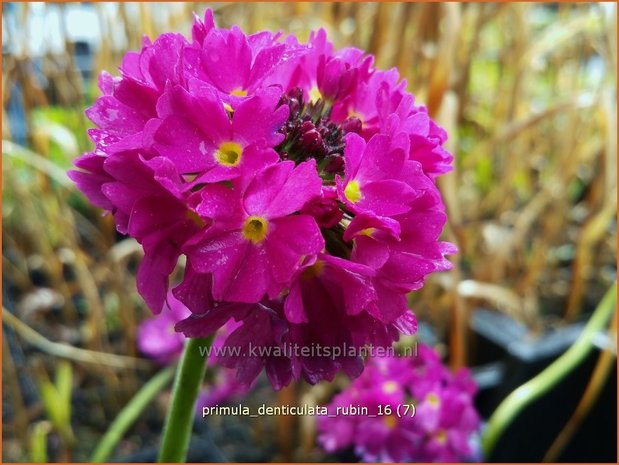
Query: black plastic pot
(506, 357)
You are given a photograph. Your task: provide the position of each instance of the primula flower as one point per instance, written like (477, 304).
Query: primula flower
(232, 63)
(129, 102)
(442, 429)
(256, 243)
(222, 146)
(295, 180)
(378, 177)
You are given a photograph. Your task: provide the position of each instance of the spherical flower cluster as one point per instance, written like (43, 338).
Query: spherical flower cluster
(442, 427)
(298, 182)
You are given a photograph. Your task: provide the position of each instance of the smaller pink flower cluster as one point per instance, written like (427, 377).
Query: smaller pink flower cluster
(442, 428)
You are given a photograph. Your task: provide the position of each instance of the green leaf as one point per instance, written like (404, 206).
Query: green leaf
(37, 442)
(57, 400)
(52, 404)
(64, 385)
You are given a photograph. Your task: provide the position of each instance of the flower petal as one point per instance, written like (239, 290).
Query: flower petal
(290, 241)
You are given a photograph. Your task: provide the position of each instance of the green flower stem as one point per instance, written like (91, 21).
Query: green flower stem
(553, 374)
(130, 414)
(179, 422)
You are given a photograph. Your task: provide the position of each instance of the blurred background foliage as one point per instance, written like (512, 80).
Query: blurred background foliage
(527, 93)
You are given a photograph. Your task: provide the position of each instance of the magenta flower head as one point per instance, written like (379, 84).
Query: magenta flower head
(296, 181)
(437, 421)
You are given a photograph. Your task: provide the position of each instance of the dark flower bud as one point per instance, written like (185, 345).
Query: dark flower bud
(336, 165)
(295, 107)
(307, 126)
(312, 141)
(325, 211)
(352, 124)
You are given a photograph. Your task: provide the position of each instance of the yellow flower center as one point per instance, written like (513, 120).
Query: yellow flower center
(353, 191)
(314, 94)
(193, 216)
(389, 387)
(433, 399)
(314, 270)
(239, 93)
(441, 437)
(255, 229)
(229, 154)
(390, 421)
